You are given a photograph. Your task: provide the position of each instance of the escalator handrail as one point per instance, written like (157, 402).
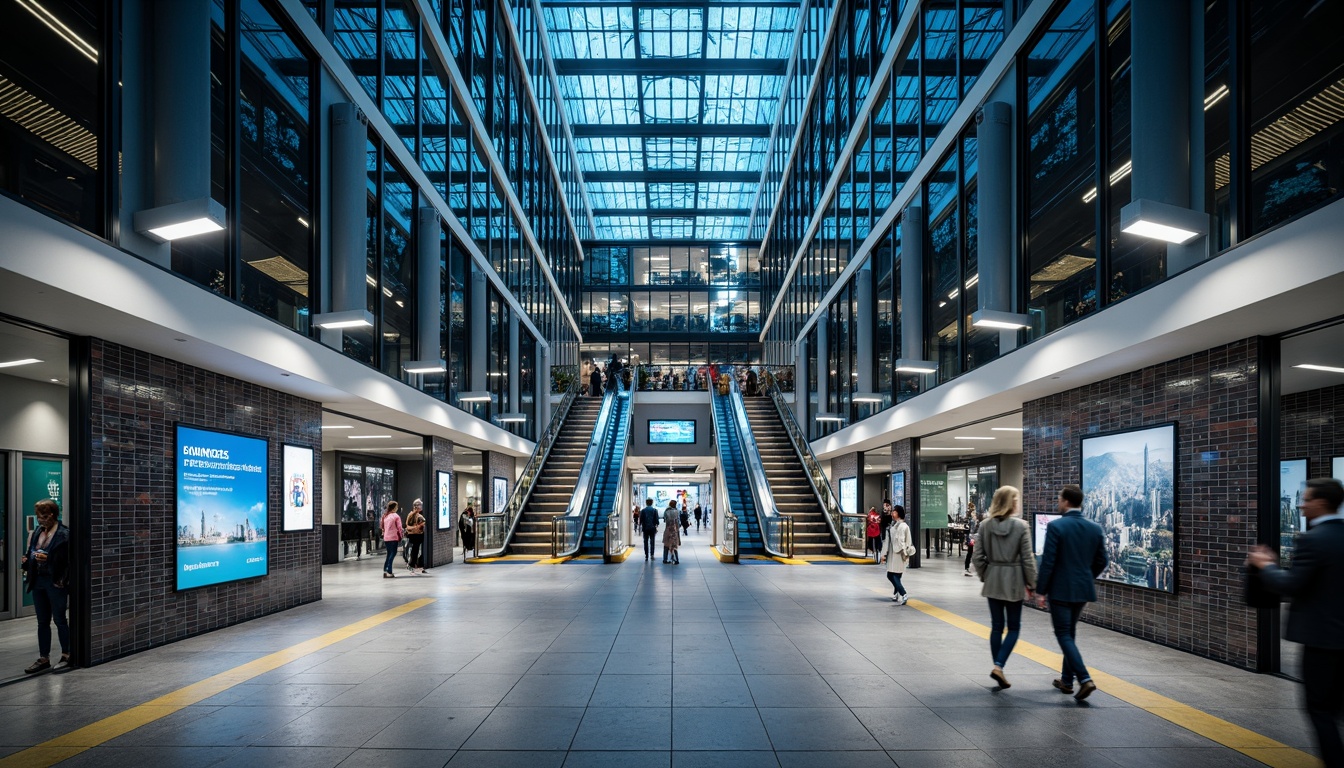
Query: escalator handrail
(812, 469)
(757, 483)
(522, 490)
(626, 419)
(581, 502)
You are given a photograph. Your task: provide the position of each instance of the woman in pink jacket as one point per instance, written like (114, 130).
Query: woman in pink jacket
(392, 535)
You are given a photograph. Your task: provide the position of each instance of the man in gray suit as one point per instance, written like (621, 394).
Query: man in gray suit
(1315, 584)
(1075, 554)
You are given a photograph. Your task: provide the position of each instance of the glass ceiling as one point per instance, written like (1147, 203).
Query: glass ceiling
(671, 109)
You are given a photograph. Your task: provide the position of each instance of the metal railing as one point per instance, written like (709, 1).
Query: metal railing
(847, 529)
(567, 529)
(728, 545)
(614, 547)
(495, 530)
(776, 529)
(613, 540)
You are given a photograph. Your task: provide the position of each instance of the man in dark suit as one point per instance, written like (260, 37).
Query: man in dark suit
(1075, 554)
(648, 523)
(1315, 584)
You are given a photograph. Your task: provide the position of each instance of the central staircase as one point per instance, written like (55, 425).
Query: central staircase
(790, 488)
(555, 485)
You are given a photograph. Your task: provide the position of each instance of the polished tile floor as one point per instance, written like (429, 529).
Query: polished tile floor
(642, 664)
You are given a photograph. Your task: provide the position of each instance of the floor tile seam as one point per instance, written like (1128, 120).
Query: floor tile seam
(1230, 735)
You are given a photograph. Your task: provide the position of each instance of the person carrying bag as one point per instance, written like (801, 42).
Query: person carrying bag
(1005, 562)
(897, 551)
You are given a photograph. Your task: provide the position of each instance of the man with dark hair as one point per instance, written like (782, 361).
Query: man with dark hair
(1316, 616)
(1075, 554)
(648, 523)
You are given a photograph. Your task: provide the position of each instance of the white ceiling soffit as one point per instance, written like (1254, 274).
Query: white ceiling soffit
(54, 276)
(1323, 347)
(1285, 279)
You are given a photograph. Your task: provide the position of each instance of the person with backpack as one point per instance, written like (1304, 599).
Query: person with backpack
(897, 551)
(1006, 564)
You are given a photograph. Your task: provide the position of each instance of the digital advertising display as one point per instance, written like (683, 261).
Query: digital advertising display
(444, 486)
(222, 508)
(898, 488)
(1129, 489)
(849, 495)
(1041, 520)
(499, 494)
(673, 431)
(298, 488)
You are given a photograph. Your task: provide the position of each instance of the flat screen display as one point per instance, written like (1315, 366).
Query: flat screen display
(298, 488)
(1129, 489)
(445, 500)
(849, 495)
(676, 431)
(222, 508)
(1042, 520)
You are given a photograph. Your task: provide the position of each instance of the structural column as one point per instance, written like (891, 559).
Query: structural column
(543, 379)
(479, 319)
(823, 364)
(866, 326)
(513, 368)
(429, 287)
(994, 245)
(349, 288)
(181, 100)
(1160, 114)
(801, 391)
(912, 284)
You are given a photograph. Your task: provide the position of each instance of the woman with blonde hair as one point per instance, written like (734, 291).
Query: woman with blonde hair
(1004, 561)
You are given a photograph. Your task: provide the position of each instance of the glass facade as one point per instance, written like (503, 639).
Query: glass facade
(681, 184)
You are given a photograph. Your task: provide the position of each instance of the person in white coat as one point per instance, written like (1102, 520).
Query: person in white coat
(897, 551)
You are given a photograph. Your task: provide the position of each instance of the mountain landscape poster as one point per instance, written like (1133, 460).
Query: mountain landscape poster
(1129, 489)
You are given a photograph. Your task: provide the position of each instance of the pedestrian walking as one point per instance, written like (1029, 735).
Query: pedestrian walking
(648, 523)
(699, 513)
(1006, 564)
(1075, 554)
(671, 536)
(972, 536)
(1316, 614)
(685, 519)
(873, 535)
(415, 537)
(595, 382)
(46, 567)
(393, 532)
(466, 527)
(897, 552)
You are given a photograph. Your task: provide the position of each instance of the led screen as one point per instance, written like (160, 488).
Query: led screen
(298, 488)
(677, 431)
(222, 509)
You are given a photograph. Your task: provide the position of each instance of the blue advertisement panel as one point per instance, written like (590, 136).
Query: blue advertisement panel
(222, 508)
(672, 431)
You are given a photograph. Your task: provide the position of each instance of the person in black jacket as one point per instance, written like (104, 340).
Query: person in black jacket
(1074, 555)
(595, 382)
(46, 568)
(1315, 584)
(648, 523)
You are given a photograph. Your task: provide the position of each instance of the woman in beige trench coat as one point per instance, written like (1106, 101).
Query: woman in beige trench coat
(897, 551)
(1006, 564)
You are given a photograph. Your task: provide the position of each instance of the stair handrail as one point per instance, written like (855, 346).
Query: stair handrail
(522, 490)
(837, 520)
(576, 513)
(774, 526)
(617, 512)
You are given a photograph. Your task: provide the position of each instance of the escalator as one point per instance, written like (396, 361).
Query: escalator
(790, 488)
(729, 439)
(611, 470)
(555, 485)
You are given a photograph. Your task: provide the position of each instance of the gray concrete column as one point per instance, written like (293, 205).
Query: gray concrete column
(1160, 114)
(802, 394)
(349, 136)
(181, 100)
(478, 321)
(823, 362)
(866, 325)
(994, 167)
(429, 286)
(543, 379)
(912, 283)
(513, 368)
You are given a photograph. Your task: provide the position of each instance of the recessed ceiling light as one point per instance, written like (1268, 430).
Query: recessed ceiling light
(1326, 368)
(25, 361)
(370, 437)
(1007, 429)
(959, 437)
(943, 449)
(338, 426)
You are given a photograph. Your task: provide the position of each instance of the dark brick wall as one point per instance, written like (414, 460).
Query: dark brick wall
(137, 397)
(442, 542)
(1312, 427)
(1213, 397)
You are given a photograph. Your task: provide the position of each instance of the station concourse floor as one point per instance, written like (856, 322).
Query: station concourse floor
(637, 664)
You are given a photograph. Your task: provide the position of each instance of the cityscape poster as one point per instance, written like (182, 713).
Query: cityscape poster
(1129, 488)
(222, 508)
